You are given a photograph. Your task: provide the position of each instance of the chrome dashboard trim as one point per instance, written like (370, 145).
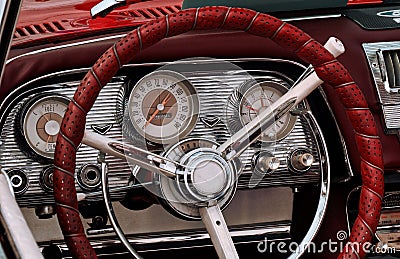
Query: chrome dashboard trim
(64, 46)
(9, 104)
(312, 17)
(324, 192)
(279, 231)
(389, 100)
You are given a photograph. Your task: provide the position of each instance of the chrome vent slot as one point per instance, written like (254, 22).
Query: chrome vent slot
(48, 27)
(384, 61)
(389, 63)
(151, 13)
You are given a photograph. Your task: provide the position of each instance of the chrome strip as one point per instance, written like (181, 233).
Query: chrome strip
(312, 17)
(96, 77)
(117, 56)
(347, 208)
(188, 239)
(343, 85)
(110, 211)
(252, 21)
(195, 19)
(374, 166)
(344, 146)
(19, 234)
(366, 224)
(278, 30)
(123, 35)
(389, 98)
(324, 192)
(140, 38)
(226, 16)
(373, 192)
(9, 12)
(366, 136)
(64, 46)
(78, 105)
(167, 29)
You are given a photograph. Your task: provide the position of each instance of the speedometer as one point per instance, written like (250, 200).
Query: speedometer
(163, 106)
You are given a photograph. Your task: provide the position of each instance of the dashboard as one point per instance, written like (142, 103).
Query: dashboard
(191, 91)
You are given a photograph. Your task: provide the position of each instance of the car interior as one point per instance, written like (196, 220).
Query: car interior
(192, 129)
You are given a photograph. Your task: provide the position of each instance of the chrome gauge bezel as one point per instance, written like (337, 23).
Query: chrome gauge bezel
(24, 115)
(193, 102)
(233, 110)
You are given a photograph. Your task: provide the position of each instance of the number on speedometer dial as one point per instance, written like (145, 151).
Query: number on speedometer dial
(163, 107)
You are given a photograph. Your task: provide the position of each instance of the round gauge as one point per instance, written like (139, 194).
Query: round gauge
(257, 97)
(41, 121)
(163, 107)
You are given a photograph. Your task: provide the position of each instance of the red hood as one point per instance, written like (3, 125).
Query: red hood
(50, 20)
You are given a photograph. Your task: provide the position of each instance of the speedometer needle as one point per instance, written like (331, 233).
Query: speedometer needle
(253, 109)
(163, 103)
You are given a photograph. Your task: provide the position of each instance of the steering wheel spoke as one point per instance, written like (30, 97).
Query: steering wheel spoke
(242, 139)
(215, 224)
(138, 156)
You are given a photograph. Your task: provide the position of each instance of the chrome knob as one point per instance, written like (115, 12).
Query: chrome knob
(265, 163)
(301, 160)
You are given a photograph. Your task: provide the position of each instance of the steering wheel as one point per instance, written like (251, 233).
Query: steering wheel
(328, 69)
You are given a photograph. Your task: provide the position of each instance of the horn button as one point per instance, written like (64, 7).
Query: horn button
(209, 178)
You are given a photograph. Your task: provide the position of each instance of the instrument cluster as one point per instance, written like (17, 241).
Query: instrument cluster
(156, 107)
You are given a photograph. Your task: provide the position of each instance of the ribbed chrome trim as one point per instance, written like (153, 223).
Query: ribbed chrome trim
(357, 109)
(67, 139)
(116, 55)
(65, 46)
(305, 44)
(195, 19)
(67, 207)
(354, 250)
(374, 166)
(158, 242)
(140, 38)
(328, 62)
(226, 16)
(278, 30)
(252, 21)
(366, 136)
(167, 29)
(78, 105)
(389, 101)
(96, 77)
(64, 171)
(104, 111)
(372, 191)
(366, 224)
(343, 85)
(312, 17)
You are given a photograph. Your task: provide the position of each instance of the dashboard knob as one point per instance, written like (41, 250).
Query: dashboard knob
(265, 163)
(300, 160)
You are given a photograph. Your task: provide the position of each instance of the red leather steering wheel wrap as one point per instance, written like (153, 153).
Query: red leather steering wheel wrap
(289, 37)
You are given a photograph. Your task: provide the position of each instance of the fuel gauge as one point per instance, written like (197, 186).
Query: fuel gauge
(41, 119)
